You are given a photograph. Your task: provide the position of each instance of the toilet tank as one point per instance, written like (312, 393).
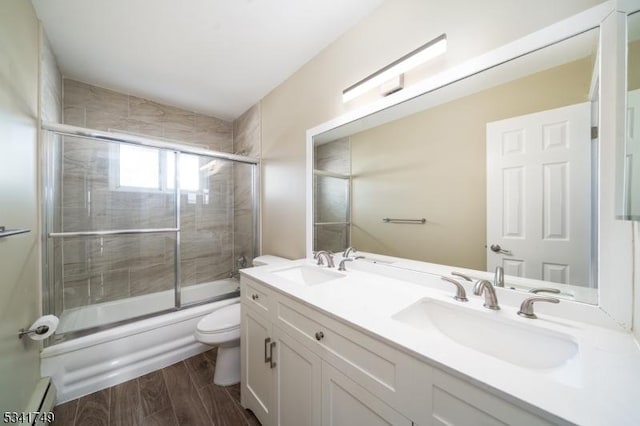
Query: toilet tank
(268, 260)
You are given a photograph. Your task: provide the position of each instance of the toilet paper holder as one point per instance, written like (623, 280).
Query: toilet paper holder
(38, 330)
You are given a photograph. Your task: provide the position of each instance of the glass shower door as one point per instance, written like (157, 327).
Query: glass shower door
(114, 234)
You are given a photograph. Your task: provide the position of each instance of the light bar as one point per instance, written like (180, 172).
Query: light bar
(422, 54)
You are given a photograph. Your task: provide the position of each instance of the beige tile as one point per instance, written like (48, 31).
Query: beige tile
(150, 279)
(96, 288)
(334, 156)
(215, 133)
(74, 115)
(188, 272)
(215, 267)
(178, 133)
(177, 117)
(102, 120)
(144, 110)
(95, 98)
(139, 127)
(123, 252)
(246, 134)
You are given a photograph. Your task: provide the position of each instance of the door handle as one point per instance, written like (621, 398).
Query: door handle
(497, 249)
(267, 358)
(272, 363)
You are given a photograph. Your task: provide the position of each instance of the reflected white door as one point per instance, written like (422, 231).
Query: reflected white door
(632, 169)
(539, 195)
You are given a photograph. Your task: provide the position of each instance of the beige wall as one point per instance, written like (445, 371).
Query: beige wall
(433, 165)
(313, 94)
(19, 255)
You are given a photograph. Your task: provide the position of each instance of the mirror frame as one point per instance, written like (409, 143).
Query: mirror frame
(615, 243)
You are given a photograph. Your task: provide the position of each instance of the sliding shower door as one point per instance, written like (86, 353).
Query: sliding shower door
(207, 218)
(115, 233)
(134, 228)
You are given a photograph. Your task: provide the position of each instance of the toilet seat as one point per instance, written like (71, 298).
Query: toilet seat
(220, 327)
(220, 320)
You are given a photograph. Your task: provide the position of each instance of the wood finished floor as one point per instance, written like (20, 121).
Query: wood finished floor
(181, 394)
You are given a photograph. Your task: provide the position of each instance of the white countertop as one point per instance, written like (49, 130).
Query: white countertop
(600, 386)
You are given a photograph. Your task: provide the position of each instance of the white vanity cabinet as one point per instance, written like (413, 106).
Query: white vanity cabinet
(281, 379)
(303, 367)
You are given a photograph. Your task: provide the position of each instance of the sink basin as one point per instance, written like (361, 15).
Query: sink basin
(307, 275)
(513, 342)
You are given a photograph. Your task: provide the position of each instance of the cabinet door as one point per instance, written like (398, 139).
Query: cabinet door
(345, 403)
(257, 374)
(458, 403)
(297, 382)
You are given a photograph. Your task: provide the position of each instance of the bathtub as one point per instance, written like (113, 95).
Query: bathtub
(87, 364)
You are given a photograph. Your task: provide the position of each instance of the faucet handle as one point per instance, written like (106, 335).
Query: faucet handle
(461, 275)
(461, 295)
(526, 308)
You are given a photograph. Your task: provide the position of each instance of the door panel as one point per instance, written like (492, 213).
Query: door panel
(257, 378)
(539, 202)
(298, 382)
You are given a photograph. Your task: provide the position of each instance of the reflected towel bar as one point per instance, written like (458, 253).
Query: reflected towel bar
(415, 221)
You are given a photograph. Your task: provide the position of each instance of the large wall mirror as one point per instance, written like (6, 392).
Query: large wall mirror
(496, 169)
(631, 191)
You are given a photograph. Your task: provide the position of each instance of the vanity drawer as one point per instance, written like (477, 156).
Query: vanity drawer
(393, 376)
(256, 295)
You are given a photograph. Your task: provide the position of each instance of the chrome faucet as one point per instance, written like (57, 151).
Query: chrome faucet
(490, 298)
(461, 295)
(348, 251)
(342, 262)
(498, 278)
(326, 255)
(526, 308)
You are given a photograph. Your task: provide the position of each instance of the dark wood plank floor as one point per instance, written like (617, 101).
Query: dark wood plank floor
(181, 394)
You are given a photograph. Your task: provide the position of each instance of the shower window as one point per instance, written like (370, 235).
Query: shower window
(138, 168)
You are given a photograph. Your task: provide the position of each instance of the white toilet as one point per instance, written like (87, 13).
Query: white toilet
(221, 328)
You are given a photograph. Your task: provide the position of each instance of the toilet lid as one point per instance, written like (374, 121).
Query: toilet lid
(221, 320)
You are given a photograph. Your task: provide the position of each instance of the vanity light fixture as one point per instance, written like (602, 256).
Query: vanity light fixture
(419, 56)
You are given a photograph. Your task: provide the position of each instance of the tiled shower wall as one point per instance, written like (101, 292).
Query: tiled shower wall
(110, 268)
(332, 195)
(246, 141)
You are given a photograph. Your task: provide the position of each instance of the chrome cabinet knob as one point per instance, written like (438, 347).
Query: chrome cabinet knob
(319, 335)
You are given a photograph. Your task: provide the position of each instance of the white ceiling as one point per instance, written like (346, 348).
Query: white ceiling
(217, 57)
